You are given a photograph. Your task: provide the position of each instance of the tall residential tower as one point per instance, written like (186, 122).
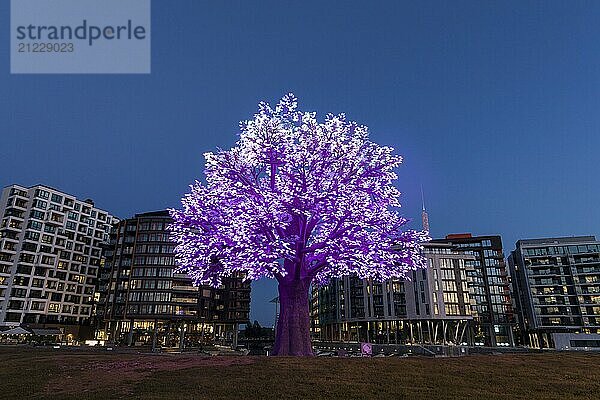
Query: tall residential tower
(50, 254)
(489, 287)
(144, 300)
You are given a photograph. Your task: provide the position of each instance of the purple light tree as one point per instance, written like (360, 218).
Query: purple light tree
(299, 201)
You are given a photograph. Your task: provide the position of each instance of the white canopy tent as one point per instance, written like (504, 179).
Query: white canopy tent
(15, 331)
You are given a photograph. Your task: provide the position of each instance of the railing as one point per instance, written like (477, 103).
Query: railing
(185, 288)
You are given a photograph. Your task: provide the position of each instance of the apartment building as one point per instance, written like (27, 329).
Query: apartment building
(432, 307)
(557, 286)
(50, 255)
(144, 301)
(494, 321)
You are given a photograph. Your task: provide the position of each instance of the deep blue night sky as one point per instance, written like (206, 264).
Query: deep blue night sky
(495, 106)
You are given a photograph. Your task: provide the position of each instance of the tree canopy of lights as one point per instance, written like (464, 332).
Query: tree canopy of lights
(300, 201)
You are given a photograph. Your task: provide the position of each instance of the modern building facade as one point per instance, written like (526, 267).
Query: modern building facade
(50, 254)
(143, 300)
(433, 307)
(557, 286)
(494, 321)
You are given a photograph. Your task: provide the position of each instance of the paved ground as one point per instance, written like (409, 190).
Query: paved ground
(69, 374)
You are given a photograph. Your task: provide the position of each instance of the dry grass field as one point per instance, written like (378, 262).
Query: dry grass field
(62, 374)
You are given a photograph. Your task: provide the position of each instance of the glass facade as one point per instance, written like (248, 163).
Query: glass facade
(558, 282)
(494, 321)
(432, 307)
(143, 299)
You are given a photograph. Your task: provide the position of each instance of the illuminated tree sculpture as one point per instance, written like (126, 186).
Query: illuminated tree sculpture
(300, 201)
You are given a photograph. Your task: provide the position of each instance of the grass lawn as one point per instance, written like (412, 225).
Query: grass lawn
(64, 374)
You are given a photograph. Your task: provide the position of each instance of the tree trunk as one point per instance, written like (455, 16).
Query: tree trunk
(293, 324)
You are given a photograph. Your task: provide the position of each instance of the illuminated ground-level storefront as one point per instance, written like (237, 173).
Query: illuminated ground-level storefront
(168, 333)
(433, 305)
(426, 331)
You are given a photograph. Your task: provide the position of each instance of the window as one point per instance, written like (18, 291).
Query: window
(42, 194)
(41, 204)
(24, 269)
(45, 249)
(452, 309)
(47, 239)
(57, 218)
(585, 343)
(18, 192)
(29, 235)
(79, 258)
(37, 283)
(450, 298)
(53, 307)
(35, 225)
(21, 203)
(16, 305)
(47, 260)
(27, 258)
(489, 253)
(49, 228)
(19, 293)
(13, 224)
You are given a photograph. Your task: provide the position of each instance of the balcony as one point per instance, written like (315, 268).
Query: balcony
(549, 293)
(546, 270)
(8, 249)
(185, 300)
(586, 260)
(18, 193)
(12, 223)
(185, 288)
(11, 212)
(587, 271)
(5, 257)
(20, 204)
